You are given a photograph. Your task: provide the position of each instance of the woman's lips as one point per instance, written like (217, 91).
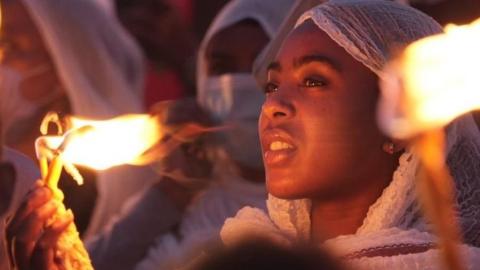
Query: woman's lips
(278, 147)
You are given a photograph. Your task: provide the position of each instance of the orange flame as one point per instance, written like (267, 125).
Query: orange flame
(435, 80)
(104, 144)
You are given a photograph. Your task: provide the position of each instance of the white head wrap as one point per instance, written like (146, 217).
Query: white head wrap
(268, 13)
(98, 63)
(368, 30)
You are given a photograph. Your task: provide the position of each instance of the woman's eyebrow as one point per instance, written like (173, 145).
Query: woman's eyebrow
(307, 59)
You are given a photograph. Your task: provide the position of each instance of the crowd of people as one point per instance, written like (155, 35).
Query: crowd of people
(300, 177)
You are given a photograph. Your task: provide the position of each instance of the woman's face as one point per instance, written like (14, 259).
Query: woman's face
(22, 49)
(230, 52)
(317, 126)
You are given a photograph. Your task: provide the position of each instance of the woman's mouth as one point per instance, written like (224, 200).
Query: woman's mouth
(278, 148)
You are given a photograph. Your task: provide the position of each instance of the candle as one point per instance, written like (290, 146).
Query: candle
(432, 82)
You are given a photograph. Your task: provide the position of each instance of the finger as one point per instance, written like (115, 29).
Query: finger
(30, 231)
(32, 201)
(35, 198)
(43, 256)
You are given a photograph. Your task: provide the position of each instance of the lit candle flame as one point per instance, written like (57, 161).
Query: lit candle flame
(435, 80)
(107, 143)
(101, 144)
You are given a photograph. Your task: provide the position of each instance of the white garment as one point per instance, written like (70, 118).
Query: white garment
(202, 222)
(367, 30)
(26, 175)
(102, 70)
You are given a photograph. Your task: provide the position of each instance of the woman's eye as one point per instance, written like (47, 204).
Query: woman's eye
(270, 88)
(312, 82)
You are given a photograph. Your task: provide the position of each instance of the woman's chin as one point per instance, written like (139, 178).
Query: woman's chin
(285, 190)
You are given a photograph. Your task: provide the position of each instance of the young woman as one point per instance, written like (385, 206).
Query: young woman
(330, 179)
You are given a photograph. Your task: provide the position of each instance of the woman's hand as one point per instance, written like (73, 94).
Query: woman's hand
(34, 230)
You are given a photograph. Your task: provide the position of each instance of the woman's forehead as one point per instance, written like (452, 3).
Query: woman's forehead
(307, 39)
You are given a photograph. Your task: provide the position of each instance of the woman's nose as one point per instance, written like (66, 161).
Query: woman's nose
(277, 107)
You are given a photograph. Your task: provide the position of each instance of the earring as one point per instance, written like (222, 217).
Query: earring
(389, 147)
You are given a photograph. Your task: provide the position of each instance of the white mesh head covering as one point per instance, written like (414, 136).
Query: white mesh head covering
(368, 30)
(360, 29)
(97, 62)
(268, 13)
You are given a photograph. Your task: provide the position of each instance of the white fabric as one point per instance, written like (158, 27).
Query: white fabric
(368, 30)
(234, 99)
(98, 63)
(26, 175)
(102, 70)
(233, 96)
(202, 222)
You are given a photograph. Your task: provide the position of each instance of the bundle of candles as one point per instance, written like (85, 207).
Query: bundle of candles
(433, 81)
(130, 139)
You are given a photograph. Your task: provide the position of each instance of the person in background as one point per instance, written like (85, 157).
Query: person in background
(168, 44)
(73, 58)
(334, 179)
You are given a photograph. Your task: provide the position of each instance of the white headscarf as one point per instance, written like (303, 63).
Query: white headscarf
(102, 71)
(368, 30)
(98, 63)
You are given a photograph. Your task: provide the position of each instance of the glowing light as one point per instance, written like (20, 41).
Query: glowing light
(104, 144)
(435, 80)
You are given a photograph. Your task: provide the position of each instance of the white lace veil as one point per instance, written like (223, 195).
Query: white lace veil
(369, 30)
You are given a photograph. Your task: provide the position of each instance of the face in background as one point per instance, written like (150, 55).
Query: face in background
(233, 51)
(23, 51)
(318, 126)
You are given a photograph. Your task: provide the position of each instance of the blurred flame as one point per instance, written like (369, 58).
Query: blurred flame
(103, 144)
(435, 80)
